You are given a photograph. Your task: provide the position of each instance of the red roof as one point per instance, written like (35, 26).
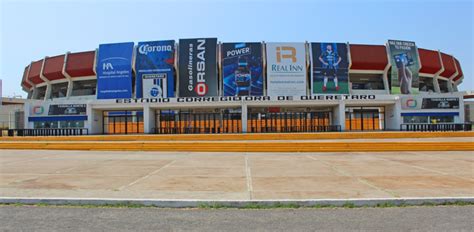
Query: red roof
(53, 67)
(368, 57)
(430, 61)
(80, 64)
(458, 67)
(34, 75)
(24, 83)
(449, 66)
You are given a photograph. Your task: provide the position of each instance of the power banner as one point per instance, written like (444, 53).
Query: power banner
(403, 56)
(198, 67)
(330, 68)
(114, 71)
(154, 64)
(242, 69)
(286, 69)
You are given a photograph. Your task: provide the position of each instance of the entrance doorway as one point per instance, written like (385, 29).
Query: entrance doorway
(123, 122)
(277, 120)
(202, 121)
(365, 118)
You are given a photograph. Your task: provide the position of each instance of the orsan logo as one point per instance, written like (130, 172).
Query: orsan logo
(146, 48)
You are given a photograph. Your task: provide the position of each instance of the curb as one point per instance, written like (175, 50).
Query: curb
(171, 203)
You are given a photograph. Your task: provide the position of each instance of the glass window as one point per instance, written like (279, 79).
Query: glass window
(367, 81)
(40, 93)
(442, 119)
(83, 88)
(59, 90)
(415, 119)
(426, 84)
(443, 86)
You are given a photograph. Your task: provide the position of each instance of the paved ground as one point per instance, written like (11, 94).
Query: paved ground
(153, 219)
(235, 176)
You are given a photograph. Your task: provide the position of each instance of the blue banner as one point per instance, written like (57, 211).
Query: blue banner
(114, 71)
(154, 68)
(242, 67)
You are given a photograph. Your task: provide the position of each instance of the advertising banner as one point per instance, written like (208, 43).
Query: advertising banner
(330, 68)
(411, 103)
(286, 69)
(67, 109)
(403, 56)
(154, 65)
(198, 67)
(114, 71)
(242, 69)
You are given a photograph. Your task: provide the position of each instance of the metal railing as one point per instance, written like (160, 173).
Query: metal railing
(294, 129)
(436, 127)
(45, 132)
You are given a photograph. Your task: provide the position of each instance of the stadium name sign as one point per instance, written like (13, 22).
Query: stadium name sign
(248, 98)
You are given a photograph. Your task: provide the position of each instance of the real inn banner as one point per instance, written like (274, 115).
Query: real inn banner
(286, 69)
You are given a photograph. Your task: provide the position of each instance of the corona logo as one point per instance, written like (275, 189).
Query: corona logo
(286, 52)
(146, 48)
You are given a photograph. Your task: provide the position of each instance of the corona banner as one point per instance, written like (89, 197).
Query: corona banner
(198, 67)
(403, 56)
(330, 68)
(286, 69)
(242, 69)
(114, 71)
(154, 66)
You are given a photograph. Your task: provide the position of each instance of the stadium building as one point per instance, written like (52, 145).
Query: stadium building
(204, 86)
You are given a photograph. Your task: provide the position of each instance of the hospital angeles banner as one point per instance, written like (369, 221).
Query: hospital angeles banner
(330, 68)
(242, 68)
(403, 56)
(198, 67)
(286, 69)
(114, 71)
(154, 64)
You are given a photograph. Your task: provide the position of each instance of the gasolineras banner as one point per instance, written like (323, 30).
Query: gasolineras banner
(405, 67)
(286, 69)
(154, 64)
(198, 67)
(242, 69)
(330, 68)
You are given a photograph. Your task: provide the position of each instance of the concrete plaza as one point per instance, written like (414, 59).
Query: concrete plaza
(235, 176)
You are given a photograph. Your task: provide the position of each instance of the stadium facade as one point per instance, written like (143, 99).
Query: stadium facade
(205, 86)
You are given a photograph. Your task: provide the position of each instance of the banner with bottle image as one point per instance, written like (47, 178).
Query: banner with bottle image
(405, 63)
(242, 69)
(154, 66)
(330, 68)
(286, 69)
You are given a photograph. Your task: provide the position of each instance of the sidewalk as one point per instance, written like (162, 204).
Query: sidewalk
(235, 176)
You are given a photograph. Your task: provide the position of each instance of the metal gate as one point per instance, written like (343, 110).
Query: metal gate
(290, 122)
(365, 118)
(122, 122)
(189, 122)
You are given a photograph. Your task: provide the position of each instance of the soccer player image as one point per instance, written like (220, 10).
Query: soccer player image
(330, 60)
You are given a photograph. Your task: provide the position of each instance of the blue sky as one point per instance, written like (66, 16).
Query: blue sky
(31, 29)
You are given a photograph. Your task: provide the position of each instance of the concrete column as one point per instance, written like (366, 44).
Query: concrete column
(393, 117)
(244, 118)
(339, 117)
(148, 119)
(94, 121)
